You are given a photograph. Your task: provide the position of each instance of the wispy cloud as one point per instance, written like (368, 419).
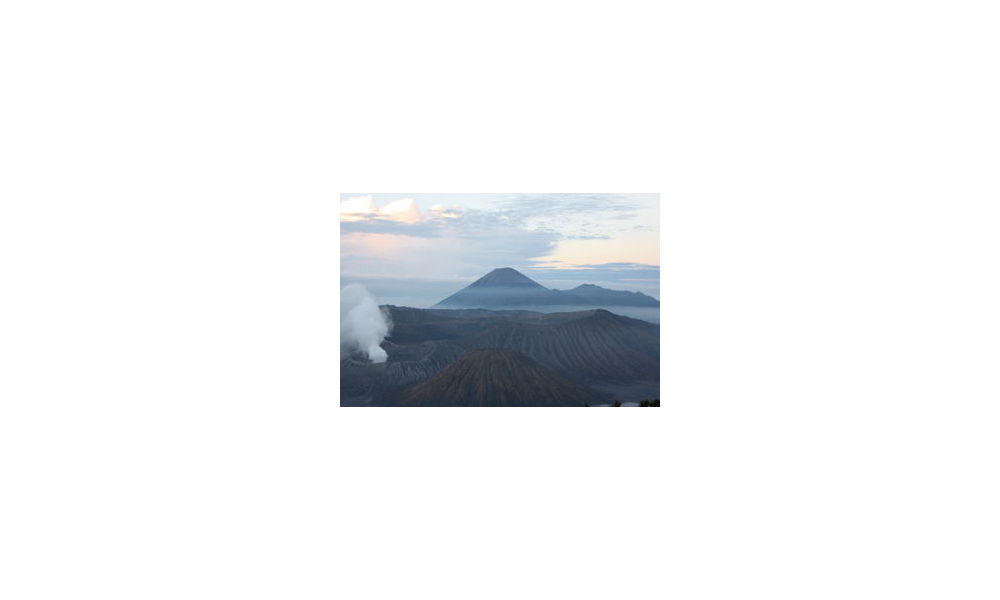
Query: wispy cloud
(362, 208)
(448, 236)
(622, 266)
(571, 214)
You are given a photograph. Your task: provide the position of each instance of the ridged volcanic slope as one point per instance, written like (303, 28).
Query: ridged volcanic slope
(597, 346)
(492, 377)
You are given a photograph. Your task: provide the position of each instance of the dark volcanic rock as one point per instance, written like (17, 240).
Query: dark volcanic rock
(406, 365)
(609, 354)
(469, 313)
(493, 377)
(589, 346)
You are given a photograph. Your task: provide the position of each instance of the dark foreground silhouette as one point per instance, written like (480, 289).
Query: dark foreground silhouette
(479, 357)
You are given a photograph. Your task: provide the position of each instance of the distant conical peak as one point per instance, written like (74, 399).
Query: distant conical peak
(508, 288)
(505, 276)
(505, 272)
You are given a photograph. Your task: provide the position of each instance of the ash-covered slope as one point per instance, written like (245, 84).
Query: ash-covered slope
(588, 346)
(419, 324)
(491, 377)
(471, 313)
(604, 352)
(422, 343)
(363, 382)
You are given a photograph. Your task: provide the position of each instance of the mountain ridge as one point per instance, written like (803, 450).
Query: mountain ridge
(506, 276)
(604, 352)
(495, 377)
(506, 287)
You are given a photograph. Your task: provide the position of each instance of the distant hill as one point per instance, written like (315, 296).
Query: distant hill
(508, 288)
(598, 295)
(493, 377)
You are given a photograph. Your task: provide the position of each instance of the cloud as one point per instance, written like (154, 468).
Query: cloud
(404, 210)
(524, 231)
(641, 248)
(575, 216)
(443, 242)
(557, 206)
(623, 266)
(403, 217)
(361, 208)
(442, 211)
(394, 250)
(616, 271)
(619, 276)
(360, 214)
(356, 208)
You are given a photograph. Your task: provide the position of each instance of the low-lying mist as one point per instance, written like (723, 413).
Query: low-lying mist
(650, 314)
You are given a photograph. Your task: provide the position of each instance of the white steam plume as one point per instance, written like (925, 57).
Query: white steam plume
(363, 325)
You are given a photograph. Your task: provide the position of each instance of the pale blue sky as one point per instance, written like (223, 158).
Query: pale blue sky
(414, 249)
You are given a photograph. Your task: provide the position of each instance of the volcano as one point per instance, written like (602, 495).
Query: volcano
(498, 288)
(505, 277)
(506, 340)
(614, 357)
(493, 377)
(585, 346)
(507, 288)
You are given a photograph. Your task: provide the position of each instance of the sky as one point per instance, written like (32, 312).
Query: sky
(416, 249)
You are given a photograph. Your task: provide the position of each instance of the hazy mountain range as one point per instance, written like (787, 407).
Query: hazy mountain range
(508, 288)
